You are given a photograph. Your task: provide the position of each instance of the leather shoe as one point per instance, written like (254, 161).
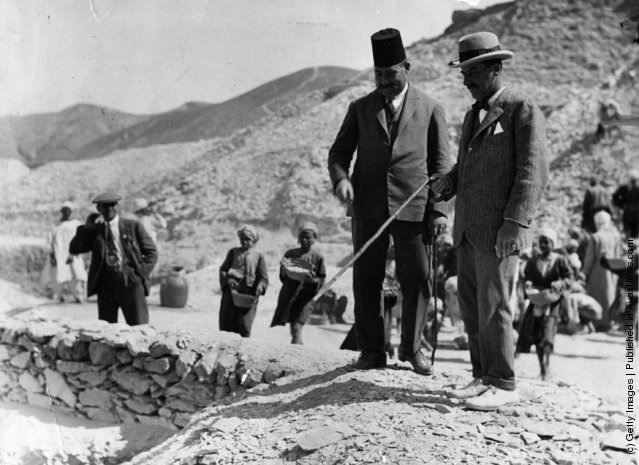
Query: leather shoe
(369, 360)
(473, 389)
(420, 360)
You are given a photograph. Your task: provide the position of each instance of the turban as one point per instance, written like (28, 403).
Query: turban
(308, 226)
(550, 234)
(602, 219)
(248, 231)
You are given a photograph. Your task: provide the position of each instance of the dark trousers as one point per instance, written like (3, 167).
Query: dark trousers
(484, 284)
(413, 272)
(122, 290)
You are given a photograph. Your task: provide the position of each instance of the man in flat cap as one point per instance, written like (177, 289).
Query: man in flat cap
(122, 257)
(401, 139)
(499, 177)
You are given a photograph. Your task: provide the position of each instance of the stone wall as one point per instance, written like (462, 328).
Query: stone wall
(121, 374)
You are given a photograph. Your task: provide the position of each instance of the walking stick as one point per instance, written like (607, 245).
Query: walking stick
(359, 253)
(435, 321)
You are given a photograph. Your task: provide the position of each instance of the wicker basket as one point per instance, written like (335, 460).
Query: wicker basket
(542, 297)
(297, 270)
(243, 300)
(617, 264)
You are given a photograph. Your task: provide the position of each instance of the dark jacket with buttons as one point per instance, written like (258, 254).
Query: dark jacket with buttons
(501, 170)
(138, 250)
(386, 171)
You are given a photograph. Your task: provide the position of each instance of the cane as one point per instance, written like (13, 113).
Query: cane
(435, 321)
(359, 253)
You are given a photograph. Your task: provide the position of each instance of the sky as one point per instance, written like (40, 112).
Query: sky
(148, 56)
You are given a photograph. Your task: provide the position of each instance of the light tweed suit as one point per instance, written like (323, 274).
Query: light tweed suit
(500, 175)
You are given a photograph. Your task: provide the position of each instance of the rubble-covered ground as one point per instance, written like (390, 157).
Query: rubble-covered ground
(326, 415)
(395, 416)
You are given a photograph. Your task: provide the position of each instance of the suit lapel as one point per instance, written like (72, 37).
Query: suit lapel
(380, 114)
(465, 133)
(492, 116)
(409, 108)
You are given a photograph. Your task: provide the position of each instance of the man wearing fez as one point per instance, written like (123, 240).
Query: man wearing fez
(122, 257)
(401, 139)
(499, 177)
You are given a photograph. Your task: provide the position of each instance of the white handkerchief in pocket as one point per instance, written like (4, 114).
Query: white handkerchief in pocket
(498, 129)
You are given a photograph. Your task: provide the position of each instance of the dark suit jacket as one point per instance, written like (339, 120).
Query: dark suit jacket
(138, 248)
(386, 174)
(499, 176)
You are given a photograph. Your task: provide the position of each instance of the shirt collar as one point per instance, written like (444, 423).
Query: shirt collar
(495, 96)
(114, 221)
(399, 98)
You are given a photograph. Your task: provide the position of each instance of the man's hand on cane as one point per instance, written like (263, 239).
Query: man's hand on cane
(441, 186)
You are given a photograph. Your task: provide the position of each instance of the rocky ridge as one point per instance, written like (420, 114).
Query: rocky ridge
(569, 56)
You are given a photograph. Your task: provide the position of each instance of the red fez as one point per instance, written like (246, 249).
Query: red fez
(388, 49)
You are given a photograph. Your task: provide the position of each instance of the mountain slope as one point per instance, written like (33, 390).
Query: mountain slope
(196, 121)
(273, 172)
(41, 138)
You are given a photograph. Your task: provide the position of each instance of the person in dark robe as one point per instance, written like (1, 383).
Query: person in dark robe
(302, 273)
(243, 278)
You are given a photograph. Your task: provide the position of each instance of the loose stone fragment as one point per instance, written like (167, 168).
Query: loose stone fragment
(29, 382)
(227, 425)
(96, 398)
(20, 360)
(157, 365)
(317, 438)
(101, 354)
(56, 386)
(130, 380)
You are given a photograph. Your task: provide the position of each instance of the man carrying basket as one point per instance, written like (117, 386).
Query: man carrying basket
(302, 273)
(243, 278)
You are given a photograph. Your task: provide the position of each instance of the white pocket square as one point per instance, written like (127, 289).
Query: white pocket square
(498, 129)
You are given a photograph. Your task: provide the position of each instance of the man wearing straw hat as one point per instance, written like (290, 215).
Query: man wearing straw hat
(499, 177)
(401, 139)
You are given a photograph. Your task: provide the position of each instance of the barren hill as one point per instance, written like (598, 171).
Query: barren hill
(196, 121)
(41, 138)
(568, 56)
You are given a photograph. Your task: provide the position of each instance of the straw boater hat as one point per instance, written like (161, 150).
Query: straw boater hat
(388, 49)
(479, 46)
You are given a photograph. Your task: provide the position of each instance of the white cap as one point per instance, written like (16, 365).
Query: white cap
(140, 204)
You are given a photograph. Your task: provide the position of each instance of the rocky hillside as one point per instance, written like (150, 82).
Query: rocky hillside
(89, 131)
(41, 138)
(568, 57)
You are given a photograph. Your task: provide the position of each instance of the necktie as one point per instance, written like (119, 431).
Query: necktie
(390, 113)
(112, 257)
